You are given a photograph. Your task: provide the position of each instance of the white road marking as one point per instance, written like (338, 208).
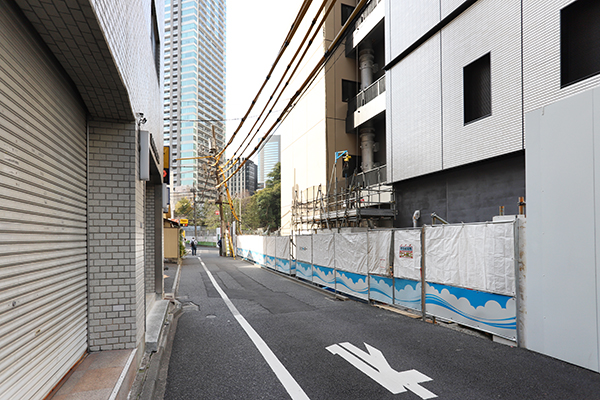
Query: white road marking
(286, 379)
(375, 366)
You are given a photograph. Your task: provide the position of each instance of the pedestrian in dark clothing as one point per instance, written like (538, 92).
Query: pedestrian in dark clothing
(193, 244)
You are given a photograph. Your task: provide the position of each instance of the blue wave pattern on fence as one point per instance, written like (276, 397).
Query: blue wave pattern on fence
(407, 293)
(488, 311)
(381, 289)
(283, 265)
(324, 276)
(352, 284)
(304, 270)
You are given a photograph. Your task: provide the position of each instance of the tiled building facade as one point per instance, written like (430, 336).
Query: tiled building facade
(83, 88)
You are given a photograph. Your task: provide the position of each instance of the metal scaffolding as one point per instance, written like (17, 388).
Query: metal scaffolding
(363, 198)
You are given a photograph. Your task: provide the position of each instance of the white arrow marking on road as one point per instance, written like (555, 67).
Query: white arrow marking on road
(374, 365)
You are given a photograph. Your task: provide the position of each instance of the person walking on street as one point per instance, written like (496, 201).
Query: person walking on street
(193, 244)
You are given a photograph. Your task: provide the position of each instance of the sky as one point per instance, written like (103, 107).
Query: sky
(255, 33)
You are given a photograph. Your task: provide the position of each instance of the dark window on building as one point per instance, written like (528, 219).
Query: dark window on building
(346, 12)
(477, 85)
(349, 90)
(155, 40)
(579, 41)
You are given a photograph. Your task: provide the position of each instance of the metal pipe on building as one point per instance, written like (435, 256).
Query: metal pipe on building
(366, 64)
(367, 145)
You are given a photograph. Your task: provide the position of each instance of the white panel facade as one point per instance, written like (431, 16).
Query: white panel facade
(414, 113)
(541, 56)
(486, 27)
(447, 6)
(131, 47)
(406, 21)
(562, 268)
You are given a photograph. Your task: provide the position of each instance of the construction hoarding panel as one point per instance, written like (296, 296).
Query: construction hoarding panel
(407, 254)
(379, 252)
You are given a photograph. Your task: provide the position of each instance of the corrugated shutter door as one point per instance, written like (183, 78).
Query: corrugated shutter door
(43, 261)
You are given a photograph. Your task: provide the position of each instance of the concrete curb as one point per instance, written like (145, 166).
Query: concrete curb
(151, 378)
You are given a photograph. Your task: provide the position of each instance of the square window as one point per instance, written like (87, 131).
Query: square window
(349, 90)
(477, 86)
(346, 13)
(579, 41)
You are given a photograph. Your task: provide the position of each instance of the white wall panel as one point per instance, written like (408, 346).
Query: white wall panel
(406, 21)
(541, 55)
(414, 117)
(448, 6)
(486, 27)
(562, 268)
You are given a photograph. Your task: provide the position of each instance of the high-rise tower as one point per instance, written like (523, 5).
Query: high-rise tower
(268, 157)
(194, 91)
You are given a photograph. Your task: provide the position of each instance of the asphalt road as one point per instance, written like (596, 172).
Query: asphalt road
(278, 339)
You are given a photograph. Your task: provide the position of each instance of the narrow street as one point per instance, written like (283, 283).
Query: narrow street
(253, 334)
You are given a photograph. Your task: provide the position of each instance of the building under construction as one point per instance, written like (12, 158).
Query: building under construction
(362, 200)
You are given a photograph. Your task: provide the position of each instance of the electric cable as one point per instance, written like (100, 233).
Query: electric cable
(314, 21)
(300, 91)
(303, 10)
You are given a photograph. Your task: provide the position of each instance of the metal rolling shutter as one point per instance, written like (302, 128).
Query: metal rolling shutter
(43, 257)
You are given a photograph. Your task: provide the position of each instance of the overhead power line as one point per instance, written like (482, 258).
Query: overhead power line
(303, 10)
(302, 88)
(304, 40)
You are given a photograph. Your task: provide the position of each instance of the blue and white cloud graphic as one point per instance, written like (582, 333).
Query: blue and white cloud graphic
(408, 293)
(381, 289)
(353, 284)
(487, 311)
(324, 276)
(304, 270)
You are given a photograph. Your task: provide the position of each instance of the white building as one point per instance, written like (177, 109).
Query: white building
(458, 103)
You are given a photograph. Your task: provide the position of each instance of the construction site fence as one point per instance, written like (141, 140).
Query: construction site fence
(465, 273)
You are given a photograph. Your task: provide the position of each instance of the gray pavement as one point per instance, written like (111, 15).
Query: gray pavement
(213, 357)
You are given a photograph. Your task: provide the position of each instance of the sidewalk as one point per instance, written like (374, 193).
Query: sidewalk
(101, 375)
(110, 375)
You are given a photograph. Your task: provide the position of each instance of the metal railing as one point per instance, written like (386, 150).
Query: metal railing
(363, 197)
(368, 10)
(367, 95)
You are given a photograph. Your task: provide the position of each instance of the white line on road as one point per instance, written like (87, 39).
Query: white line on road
(286, 379)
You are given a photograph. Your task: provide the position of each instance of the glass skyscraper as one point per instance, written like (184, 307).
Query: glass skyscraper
(268, 157)
(194, 91)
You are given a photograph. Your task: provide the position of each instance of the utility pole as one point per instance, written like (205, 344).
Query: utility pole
(220, 198)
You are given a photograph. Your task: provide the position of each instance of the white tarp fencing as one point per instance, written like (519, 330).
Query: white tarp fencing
(351, 252)
(282, 246)
(304, 248)
(323, 250)
(271, 243)
(474, 256)
(407, 254)
(379, 252)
